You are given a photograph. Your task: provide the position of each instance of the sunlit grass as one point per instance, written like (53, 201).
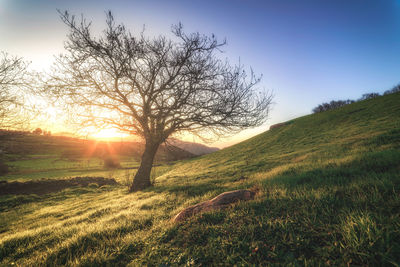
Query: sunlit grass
(47, 166)
(328, 195)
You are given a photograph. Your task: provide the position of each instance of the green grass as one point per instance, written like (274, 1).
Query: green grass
(329, 194)
(34, 156)
(51, 166)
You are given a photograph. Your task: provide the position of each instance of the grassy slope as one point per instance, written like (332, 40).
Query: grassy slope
(329, 194)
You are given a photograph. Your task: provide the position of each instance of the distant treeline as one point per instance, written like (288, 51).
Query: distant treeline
(37, 131)
(340, 103)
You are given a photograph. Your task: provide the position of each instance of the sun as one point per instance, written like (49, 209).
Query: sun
(109, 134)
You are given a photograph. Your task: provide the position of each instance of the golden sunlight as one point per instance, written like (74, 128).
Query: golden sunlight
(109, 134)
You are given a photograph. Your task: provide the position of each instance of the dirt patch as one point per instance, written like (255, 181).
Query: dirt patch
(278, 125)
(45, 186)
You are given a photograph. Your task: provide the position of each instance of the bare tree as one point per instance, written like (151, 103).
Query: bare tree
(12, 88)
(153, 87)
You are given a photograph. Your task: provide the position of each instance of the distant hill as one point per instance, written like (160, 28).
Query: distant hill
(22, 144)
(67, 134)
(194, 148)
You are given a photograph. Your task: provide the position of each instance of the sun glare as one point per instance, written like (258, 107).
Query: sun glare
(109, 134)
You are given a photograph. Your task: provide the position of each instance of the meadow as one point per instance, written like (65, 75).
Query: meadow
(328, 194)
(32, 157)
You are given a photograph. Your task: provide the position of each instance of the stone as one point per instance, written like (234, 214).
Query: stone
(221, 201)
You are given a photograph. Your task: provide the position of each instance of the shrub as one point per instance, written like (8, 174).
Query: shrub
(393, 90)
(332, 105)
(37, 131)
(128, 178)
(111, 162)
(340, 103)
(368, 96)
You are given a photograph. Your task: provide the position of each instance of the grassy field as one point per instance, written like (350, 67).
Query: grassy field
(329, 194)
(45, 166)
(31, 157)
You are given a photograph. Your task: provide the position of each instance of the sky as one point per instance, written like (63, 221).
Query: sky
(308, 51)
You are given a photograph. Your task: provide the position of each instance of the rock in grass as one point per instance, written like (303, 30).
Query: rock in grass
(221, 201)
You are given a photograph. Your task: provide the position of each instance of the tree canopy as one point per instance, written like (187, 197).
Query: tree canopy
(154, 87)
(13, 73)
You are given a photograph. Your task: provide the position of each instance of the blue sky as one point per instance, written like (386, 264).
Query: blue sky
(308, 51)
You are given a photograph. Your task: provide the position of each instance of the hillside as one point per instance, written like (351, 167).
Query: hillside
(328, 194)
(22, 144)
(194, 148)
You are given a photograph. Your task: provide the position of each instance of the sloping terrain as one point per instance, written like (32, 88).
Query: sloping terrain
(328, 194)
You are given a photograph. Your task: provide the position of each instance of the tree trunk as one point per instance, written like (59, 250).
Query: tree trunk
(142, 177)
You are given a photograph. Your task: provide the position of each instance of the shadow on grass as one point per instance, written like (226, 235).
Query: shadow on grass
(336, 215)
(288, 230)
(190, 190)
(340, 215)
(8, 202)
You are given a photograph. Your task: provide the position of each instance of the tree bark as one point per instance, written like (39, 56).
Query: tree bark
(142, 177)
